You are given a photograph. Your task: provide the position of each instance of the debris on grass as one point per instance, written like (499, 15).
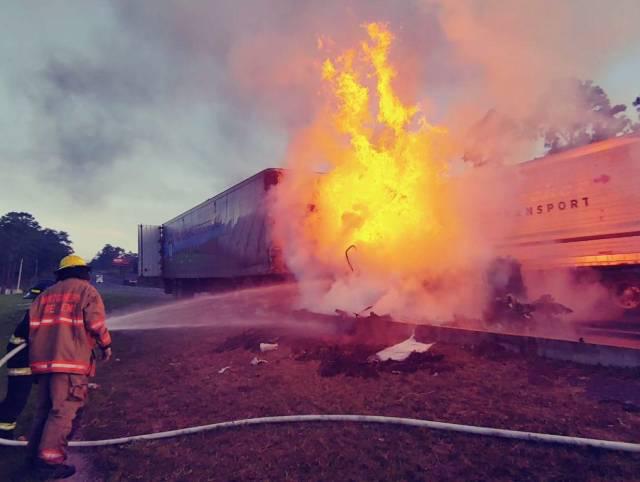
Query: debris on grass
(268, 347)
(224, 369)
(403, 350)
(250, 340)
(362, 361)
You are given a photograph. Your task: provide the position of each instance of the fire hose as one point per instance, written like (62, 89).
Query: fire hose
(11, 354)
(369, 419)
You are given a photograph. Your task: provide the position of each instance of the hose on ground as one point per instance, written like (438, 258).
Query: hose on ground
(11, 354)
(370, 419)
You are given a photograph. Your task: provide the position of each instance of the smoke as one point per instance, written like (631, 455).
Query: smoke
(508, 64)
(516, 53)
(86, 119)
(221, 86)
(586, 296)
(259, 64)
(264, 56)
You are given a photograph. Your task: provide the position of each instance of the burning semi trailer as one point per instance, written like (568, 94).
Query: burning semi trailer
(369, 213)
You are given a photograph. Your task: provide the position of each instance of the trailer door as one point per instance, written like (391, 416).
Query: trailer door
(149, 250)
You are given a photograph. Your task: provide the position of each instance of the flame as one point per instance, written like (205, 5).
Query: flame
(384, 192)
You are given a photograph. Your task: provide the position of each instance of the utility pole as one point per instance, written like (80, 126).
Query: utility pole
(19, 275)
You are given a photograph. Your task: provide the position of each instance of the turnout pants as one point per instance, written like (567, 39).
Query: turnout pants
(18, 389)
(60, 397)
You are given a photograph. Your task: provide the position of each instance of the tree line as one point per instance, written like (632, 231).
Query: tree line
(105, 259)
(573, 113)
(24, 241)
(39, 249)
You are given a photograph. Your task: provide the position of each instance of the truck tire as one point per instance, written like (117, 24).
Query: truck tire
(185, 290)
(627, 294)
(169, 286)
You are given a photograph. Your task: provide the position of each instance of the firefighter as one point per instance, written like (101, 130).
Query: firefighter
(65, 324)
(19, 374)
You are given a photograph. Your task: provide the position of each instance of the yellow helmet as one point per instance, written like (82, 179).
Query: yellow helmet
(71, 261)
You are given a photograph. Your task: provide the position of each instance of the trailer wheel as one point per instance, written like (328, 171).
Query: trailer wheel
(628, 296)
(183, 289)
(168, 286)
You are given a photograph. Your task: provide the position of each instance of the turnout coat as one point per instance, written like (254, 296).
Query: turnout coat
(66, 323)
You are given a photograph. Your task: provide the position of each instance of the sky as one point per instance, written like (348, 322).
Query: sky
(118, 113)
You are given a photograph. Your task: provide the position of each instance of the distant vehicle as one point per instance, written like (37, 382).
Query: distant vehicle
(577, 209)
(222, 242)
(130, 282)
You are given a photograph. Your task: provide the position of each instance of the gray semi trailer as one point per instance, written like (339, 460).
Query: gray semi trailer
(223, 242)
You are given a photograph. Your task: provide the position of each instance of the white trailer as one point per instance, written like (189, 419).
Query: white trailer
(581, 208)
(149, 251)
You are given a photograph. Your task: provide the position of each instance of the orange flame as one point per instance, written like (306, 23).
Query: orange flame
(384, 192)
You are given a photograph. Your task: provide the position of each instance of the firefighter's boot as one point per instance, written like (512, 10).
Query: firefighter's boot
(45, 471)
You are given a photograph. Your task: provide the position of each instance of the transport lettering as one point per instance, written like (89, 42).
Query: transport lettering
(552, 207)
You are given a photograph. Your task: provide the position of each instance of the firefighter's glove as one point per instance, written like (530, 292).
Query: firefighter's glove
(106, 353)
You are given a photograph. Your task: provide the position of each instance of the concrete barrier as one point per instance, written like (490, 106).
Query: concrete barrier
(585, 353)
(378, 329)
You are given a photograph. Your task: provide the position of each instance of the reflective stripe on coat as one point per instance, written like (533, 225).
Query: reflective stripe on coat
(65, 323)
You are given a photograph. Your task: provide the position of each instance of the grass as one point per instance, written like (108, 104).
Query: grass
(12, 308)
(170, 379)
